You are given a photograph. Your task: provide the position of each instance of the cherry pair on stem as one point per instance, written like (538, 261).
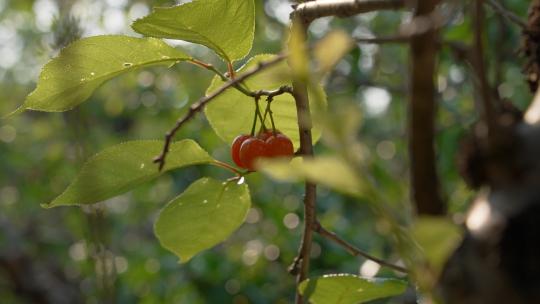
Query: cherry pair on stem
(246, 149)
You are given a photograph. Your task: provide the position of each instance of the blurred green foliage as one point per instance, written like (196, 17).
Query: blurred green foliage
(55, 251)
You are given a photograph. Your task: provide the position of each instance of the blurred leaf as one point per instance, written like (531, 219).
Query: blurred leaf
(298, 58)
(231, 113)
(123, 167)
(329, 171)
(349, 289)
(69, 79)
(329, 50)
(438, 237)
(207, 213)
(225, 26)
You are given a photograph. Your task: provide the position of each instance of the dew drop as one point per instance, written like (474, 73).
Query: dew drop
(92, 74)
(226, 188)
(83, 79)
(142, 166)
(165, 57)
(127, 64)
(241, 180)
(205, 202)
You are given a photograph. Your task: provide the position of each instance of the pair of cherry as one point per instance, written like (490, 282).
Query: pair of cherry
(246, 149)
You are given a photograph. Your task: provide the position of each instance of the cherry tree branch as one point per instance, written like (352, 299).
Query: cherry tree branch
(199, 105)
(300, 266)
(311, 10)
(329, 235)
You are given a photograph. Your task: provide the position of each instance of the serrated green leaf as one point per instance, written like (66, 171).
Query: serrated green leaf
(80, 68)
(349, 289)
(225, 26)
(121, 168)
(437, 237)
(231, 113)
(328, 171)
(207, 213)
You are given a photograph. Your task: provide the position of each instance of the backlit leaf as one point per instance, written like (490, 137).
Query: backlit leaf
(349, 289)
(121, 168)
(80, 68)
(225, 26)
(207, 213)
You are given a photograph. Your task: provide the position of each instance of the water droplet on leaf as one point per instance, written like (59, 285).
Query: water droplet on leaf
(127, 64)
(142, 166)
(205, 201)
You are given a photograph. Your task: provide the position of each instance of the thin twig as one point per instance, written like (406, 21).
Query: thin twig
(508, 15)
(271, 94)
(199, 105)
(381, 40)
(329, 235)
(210, 67)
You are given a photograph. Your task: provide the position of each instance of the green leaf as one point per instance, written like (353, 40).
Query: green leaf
(349, 289)
(437, 237)
(123, 167)
(329, 171)
(80, 68)
(231, 113)
(225, 26)
(207, 213)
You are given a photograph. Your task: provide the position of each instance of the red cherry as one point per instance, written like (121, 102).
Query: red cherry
(251, 150)
(264, 135)
(279, 145)
(235, 149)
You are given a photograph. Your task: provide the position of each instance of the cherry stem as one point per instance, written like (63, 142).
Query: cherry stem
(263, 127)
(255, 115)
(269, 101)
(258, 113)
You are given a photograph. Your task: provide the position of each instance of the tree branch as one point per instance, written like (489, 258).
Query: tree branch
(199, 105)
(300, 266)
(309, 11)
(425, 181)
(329, 235)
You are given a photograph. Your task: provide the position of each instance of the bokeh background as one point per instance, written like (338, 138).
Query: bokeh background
(109, 253)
